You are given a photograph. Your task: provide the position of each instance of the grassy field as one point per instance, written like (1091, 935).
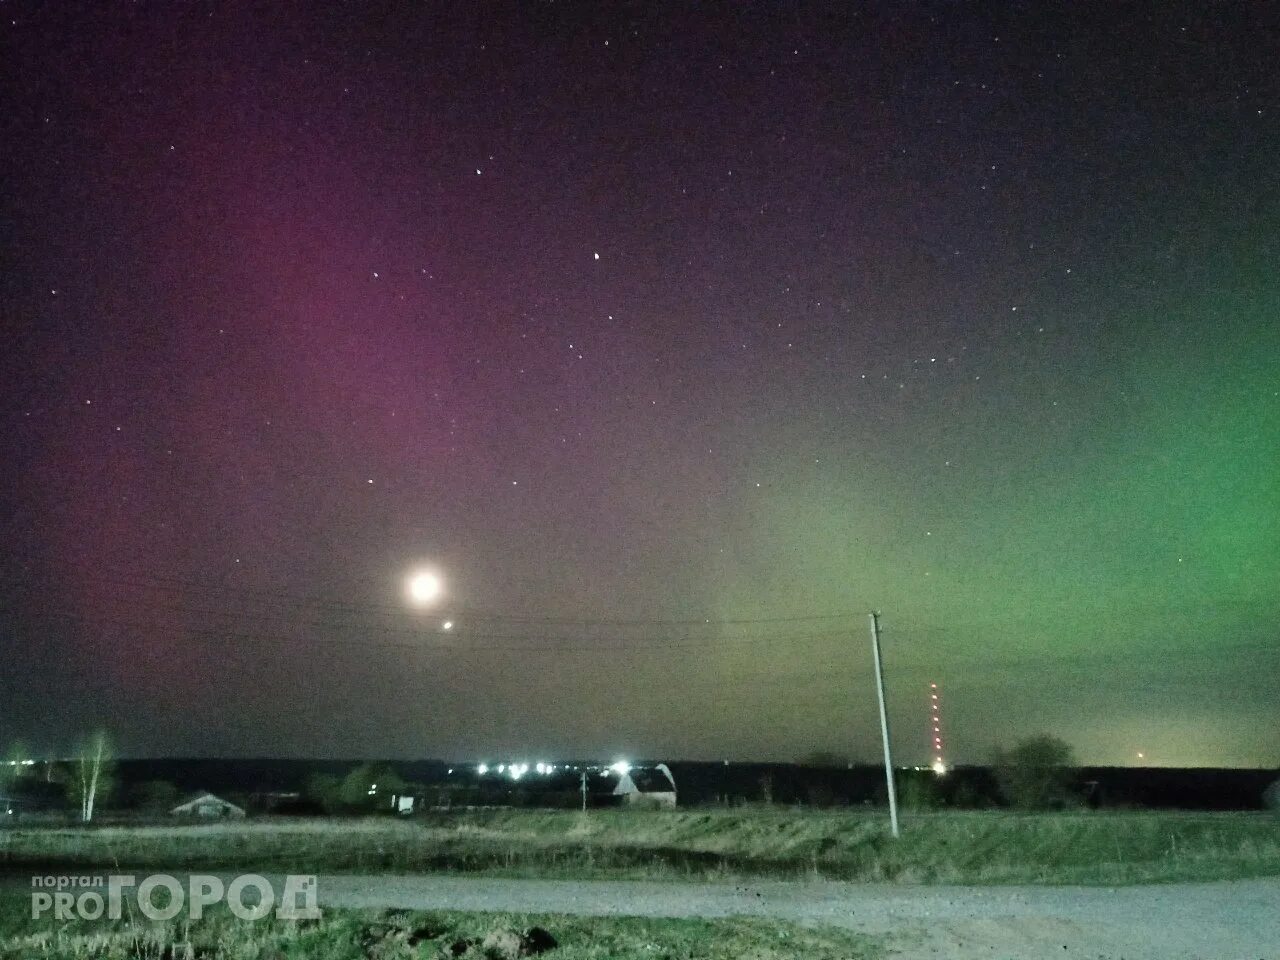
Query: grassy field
(405, 935)
(978, 847)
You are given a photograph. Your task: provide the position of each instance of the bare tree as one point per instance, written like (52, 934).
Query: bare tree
(94, 769)
(766, 788)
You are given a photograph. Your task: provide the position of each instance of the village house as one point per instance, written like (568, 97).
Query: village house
(207, 806)
(647, 785)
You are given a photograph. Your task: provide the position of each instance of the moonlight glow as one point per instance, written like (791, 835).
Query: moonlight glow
(424, 588)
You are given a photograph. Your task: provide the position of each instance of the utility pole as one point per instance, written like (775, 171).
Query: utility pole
(584, 790)
(884, 723)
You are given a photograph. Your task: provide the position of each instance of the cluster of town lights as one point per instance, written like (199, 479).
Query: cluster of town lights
(517, 770)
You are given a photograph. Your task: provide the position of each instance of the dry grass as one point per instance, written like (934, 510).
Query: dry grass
(978, 847)
(406, 935)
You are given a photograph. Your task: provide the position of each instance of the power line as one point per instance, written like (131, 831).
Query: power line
(462, 639)
(165, 582)
(549, 644)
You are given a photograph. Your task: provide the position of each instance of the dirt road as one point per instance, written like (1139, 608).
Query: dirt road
(1211, 921)
(1217, 921)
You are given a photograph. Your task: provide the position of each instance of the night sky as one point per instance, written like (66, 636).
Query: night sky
(675, 338)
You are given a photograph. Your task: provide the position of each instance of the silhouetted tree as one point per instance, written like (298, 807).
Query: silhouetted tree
(820, 794)
(369, 787)
(1037, 774)
(824, 758)
(324, 789)
(1271, 797)
(919, 789)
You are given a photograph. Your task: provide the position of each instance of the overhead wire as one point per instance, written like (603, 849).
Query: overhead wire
(159, 581)
(575, 644)
(274, 607)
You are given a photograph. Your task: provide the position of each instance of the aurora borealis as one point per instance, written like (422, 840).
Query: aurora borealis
(661, 322)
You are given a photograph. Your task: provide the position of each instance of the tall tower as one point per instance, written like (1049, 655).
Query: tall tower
(935, 726)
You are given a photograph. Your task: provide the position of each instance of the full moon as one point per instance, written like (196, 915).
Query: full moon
(424, 587)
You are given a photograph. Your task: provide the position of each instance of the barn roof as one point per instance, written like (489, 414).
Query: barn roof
(651, 780)
(203, 798)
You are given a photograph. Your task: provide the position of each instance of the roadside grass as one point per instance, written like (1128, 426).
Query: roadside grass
(413, 935)
(986, 847)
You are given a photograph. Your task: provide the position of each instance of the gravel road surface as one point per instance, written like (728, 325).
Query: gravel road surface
(1237, 920)
(1213, 921)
